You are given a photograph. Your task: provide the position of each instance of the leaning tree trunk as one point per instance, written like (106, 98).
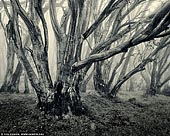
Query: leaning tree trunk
(163, 66)
(10, 66)
(66, 91)
(69, 49)
(153, 88)
(138, 68)
(26, 85)
(14, 85)
(121, 78)
(99, 84)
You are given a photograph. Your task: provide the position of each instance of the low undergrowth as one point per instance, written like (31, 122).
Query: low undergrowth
(135, 116)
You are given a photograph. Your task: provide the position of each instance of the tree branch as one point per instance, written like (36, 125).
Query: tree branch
(137, 69)
(54, 22)
(137, 39)
(38, 7)
(112, 5)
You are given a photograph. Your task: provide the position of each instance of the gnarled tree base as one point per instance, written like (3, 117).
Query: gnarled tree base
(63, 103)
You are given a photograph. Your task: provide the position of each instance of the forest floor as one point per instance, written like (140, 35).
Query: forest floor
(127, 116)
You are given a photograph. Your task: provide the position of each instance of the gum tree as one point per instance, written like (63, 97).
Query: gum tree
(71, 33)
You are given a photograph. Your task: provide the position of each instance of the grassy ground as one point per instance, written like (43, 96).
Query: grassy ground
(128, 116)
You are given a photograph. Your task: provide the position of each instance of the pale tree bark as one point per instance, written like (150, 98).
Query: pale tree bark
(152, 89)
(15, 36)
(143, 35)
(42, 83)
(159, 70)
(115, 70)
(14, 86)
(144, 74)
(140, 67)
(124, 67)
(9, 70)
(65, 92)
(10, 54)
(104, 69)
